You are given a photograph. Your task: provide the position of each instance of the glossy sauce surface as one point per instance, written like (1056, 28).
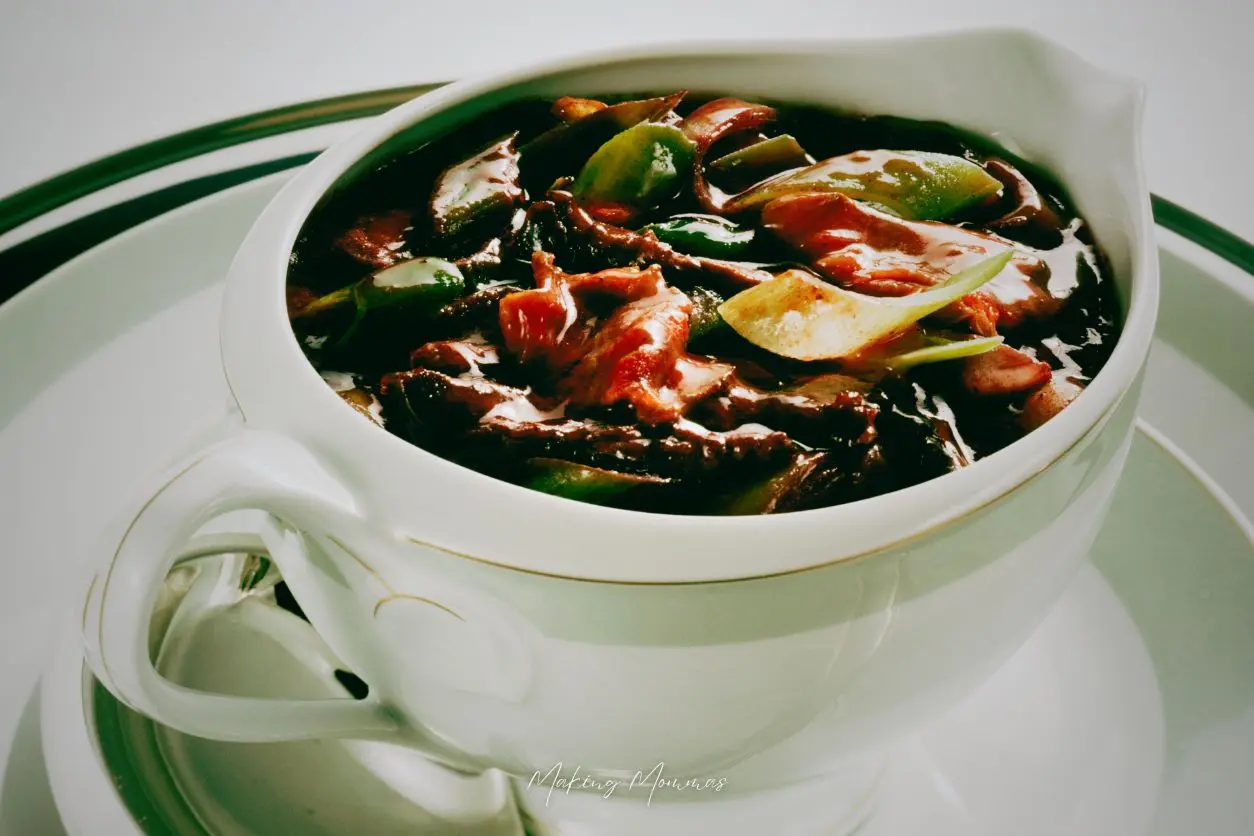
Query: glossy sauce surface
(582, 355)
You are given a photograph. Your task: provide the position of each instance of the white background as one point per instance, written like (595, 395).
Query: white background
(80, 78)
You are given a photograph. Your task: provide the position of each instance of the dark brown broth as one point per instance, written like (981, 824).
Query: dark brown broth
(925, 415)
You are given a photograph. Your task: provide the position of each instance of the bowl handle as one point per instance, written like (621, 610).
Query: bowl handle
(252, 470)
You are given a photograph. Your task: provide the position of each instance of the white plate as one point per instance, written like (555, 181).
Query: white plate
(1130, 712)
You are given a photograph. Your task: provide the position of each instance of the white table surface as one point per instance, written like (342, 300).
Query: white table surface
(81, 78)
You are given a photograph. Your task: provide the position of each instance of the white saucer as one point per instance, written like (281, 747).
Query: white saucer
(1073, 728)
(1130, 712)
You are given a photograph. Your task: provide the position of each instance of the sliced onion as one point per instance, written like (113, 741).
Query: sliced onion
(942, 349)
(799, 315)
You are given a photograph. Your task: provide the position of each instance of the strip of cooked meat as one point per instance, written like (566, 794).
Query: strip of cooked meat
(378, 240)
(1004, 371)
(617, 335)
(1028, 216)
(707, 125)
(872, 252)
(465, 355)
(644, 247)
(684, 450)
(816, 412)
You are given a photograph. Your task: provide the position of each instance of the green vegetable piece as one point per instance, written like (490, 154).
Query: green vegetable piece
(601, 124)
(331, 301)
(799, 315)
(640, 167)
(585, 483)
(705, 318)
(940, 349)
(560, 149)
(773, 492)
(419, 286)
(476, 189)
(428, 283)
(704, 235)
(916, 185)
(779, 152)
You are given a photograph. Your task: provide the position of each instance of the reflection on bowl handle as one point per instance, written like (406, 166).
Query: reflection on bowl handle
(459, 800)
(252, 470)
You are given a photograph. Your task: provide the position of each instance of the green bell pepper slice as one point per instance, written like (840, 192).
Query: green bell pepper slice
(476, 189)
(560, 149)
(704, 235)
(584, 482)
(705, 319)
(420, 286)
(639, 167)
(767, 494)
(916, 185)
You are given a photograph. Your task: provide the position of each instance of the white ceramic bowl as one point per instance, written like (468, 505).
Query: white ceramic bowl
(503, 627)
